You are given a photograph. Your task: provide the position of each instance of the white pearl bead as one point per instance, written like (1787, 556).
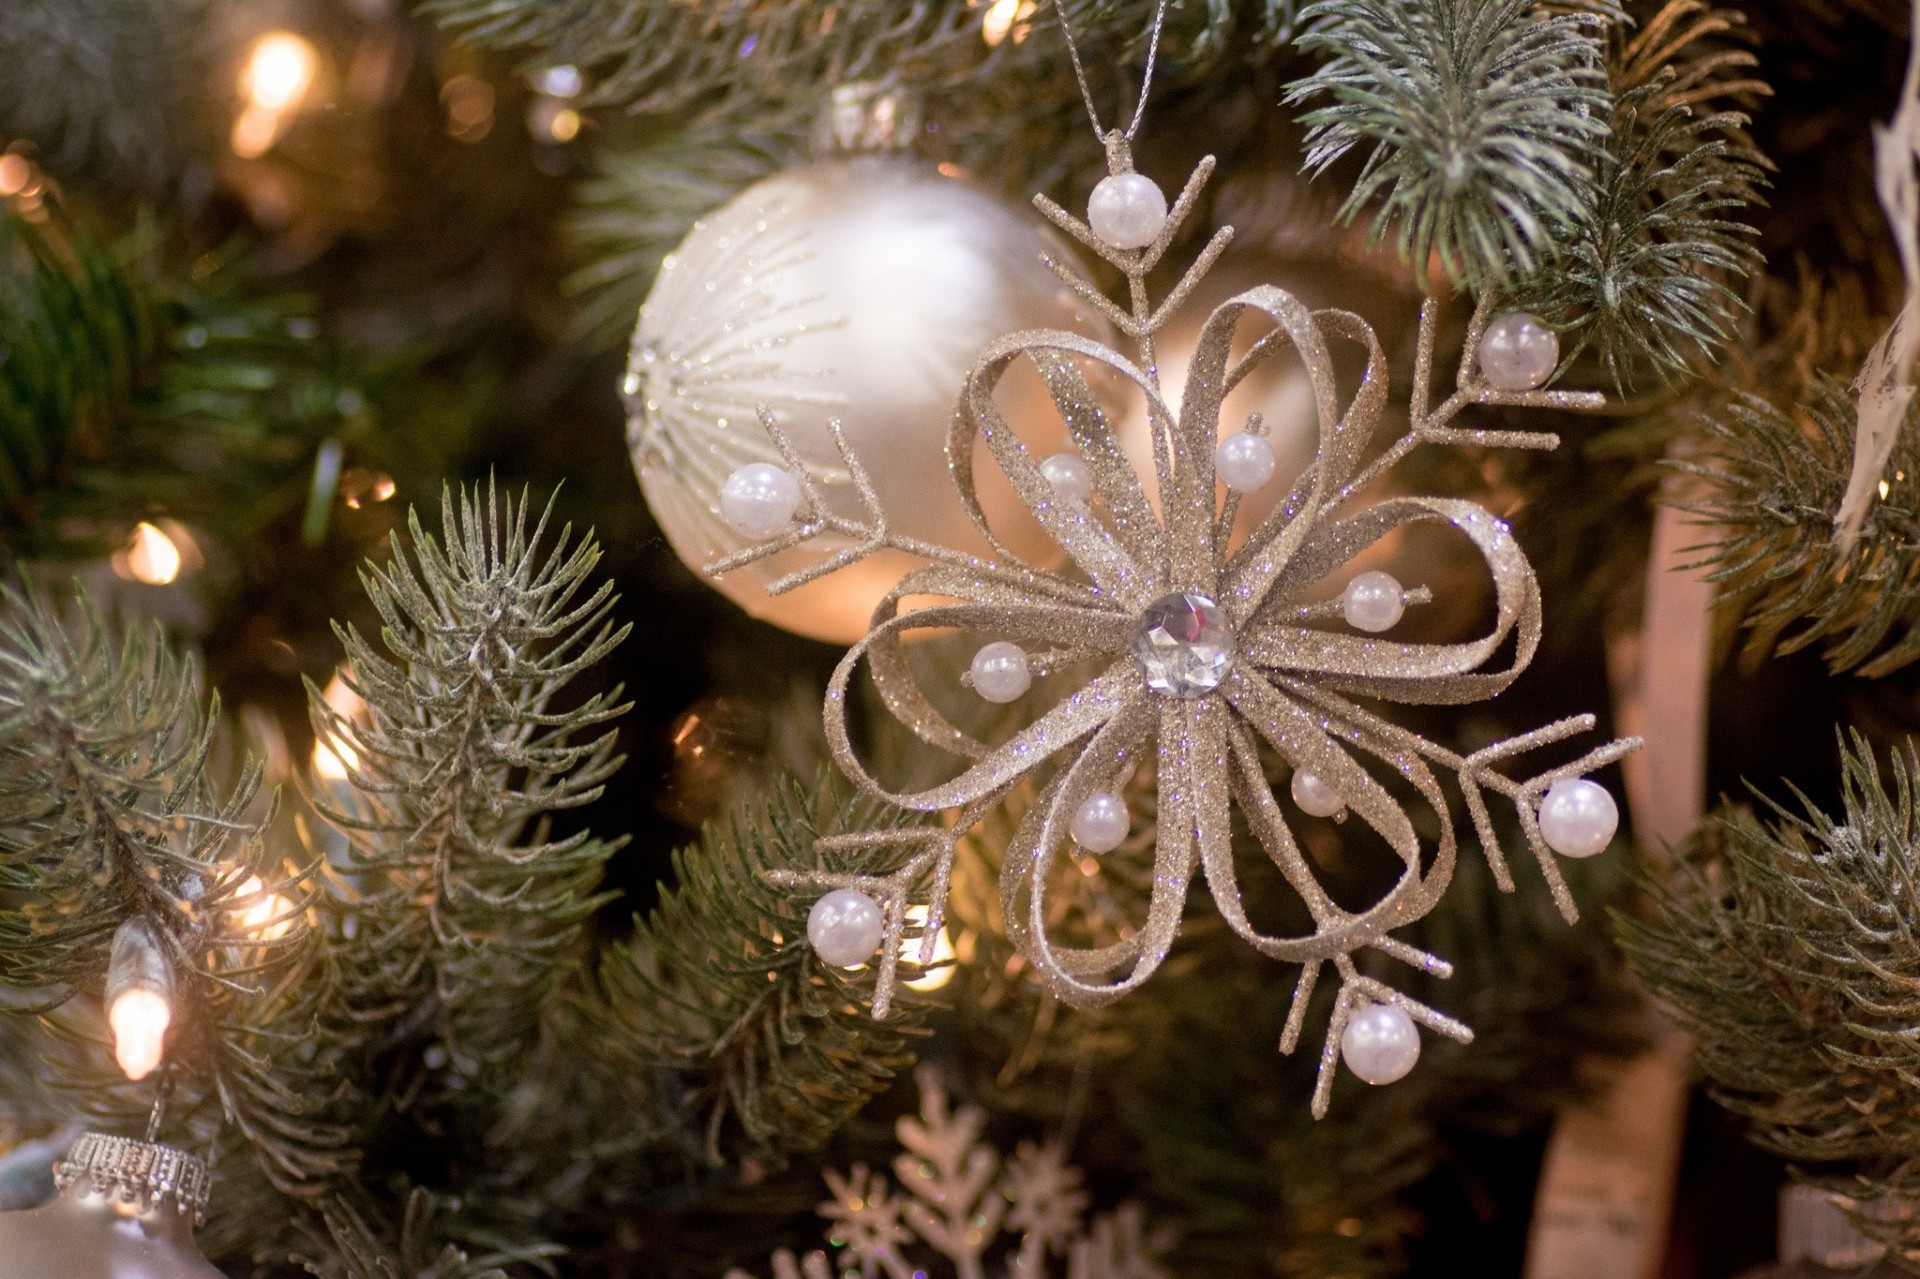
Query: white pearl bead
(1518, 353)
(845, 927)
(1101, 823)
(1373, 601)
(1244, 462)
(1070, 476)
(1315, 796)
(1000, 672)
(758, 501)
(1380, 1043)
(1127, 210)
(1578, 817)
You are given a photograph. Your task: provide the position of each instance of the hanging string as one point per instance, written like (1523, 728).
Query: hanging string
(1146, 80)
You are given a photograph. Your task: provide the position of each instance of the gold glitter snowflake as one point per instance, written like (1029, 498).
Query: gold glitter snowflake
(1205, 655)
(961, 1201)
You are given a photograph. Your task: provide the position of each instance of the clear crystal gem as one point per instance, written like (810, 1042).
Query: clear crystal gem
(1183, 645)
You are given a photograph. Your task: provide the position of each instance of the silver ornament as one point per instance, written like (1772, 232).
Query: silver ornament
(126, 1210)
(861, 289)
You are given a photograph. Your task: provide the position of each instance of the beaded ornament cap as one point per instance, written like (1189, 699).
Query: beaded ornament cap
(140, 1172)
(1284, 684)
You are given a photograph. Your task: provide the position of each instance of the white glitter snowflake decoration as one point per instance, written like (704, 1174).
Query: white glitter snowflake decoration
(1203, 655)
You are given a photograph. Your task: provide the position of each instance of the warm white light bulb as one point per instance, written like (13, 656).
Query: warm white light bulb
(150, 557)
(270, 916)
(1000, 17)
(934, 978)
(279, 71)
(333, 757)
(139, 1018)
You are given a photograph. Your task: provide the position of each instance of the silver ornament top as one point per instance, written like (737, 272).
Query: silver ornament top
(143, 1172)
(866, 116)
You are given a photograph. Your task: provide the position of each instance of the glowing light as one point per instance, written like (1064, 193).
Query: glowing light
(469, 103)
(139, 1018)
(333, 758)
(1885, 488)
(560, 82)
(565, 125)
(943, 955)
(271, 915)
(15, 172)
(1002, 16)
(278, 74)
(279, 71)
(361, 487)
(150, 556)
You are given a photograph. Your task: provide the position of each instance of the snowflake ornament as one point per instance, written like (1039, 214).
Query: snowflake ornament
(964, 1202)
(1205, 655)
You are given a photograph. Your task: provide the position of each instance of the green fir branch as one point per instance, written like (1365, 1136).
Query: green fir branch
(1483, 123)
(1768, 489)
(719, 986)
(469, 909)
(1789, 945)
(1646, 279)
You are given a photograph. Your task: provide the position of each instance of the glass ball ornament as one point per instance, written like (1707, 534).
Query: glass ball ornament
(1578, 817)
(845, 927)
(125, 1210)
(1380, 1044)
(861, 288)
(1518, 353)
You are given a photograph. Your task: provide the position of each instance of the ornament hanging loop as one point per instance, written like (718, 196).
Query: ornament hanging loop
(1086, 91)
(866, 117)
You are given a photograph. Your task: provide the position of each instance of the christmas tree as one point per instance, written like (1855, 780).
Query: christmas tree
(1122, 638)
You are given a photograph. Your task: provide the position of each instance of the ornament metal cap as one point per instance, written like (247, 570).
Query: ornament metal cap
(142, 1172)
(862, 117)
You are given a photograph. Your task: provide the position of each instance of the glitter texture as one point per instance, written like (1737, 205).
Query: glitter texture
(1288, 685)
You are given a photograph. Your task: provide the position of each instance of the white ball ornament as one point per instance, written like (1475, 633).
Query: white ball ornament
(1069, 475)
(1127, 210)
(1518, 353)
(1373, 601)
(1578, 817)
(1315, 796)
(1245, 462)
(845, 927)
(758, 501)
(1000, 672)
(860, 288)
(1380, 1044)
(1101, 823)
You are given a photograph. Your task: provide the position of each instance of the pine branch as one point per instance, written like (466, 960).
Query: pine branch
(1788, 946)
(1486, 122)
(101, 86)
(719, 985)
(643, 201)
(111, 814)
(1647, 276)
(661, 56)
(471, 909)
(1769, 490)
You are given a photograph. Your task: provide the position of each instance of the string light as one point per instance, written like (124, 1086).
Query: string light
(279, 72)
(139, 999)
(334, 759)
(1002, 16)
(271, 915)
(150, 556)
(15, 172)
(935, 977)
